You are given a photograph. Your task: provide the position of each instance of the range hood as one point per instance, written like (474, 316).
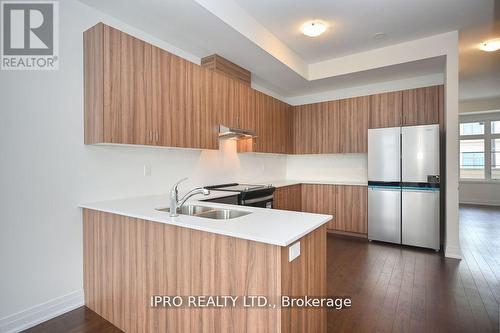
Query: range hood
(235, 133)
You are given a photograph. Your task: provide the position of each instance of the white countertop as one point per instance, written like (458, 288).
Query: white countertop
(288, 182)
(271, 226)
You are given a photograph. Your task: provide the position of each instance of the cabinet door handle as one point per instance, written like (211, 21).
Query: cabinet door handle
(150, 136)
(157, 136)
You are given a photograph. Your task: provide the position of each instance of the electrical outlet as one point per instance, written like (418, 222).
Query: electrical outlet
(293, 251)
(147, 169)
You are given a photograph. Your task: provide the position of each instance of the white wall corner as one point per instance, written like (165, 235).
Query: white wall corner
(453, 252)
(452, 241)
(41, 312)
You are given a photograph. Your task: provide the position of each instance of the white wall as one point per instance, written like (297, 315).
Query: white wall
(46, 170)
(479, 105)
(331, 167)
(481, 193)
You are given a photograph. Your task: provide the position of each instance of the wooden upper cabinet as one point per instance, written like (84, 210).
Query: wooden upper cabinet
(421, 106)
(301, 135)
(316, 128)
(352, 209)
(240, 106)
(117, 87)
(353, 117)
(201, 127)
(222, 91)
(331, 132)
(282, 122)
(332, 127)
(386, 109)
(136, 93)
(263, 123)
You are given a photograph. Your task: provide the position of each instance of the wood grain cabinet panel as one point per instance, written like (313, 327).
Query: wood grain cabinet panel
(320, 199)
(270, 124)
(201, 128)
(127, 78)
(261, 143)
(282, 122)
(136, 93)
(421, 106)
(352, 209)
(353, 118)
(175, 108)
(128, 260)
(300, 125)
(288, 198)
(386, 109)
(244, 106)
(316, 128)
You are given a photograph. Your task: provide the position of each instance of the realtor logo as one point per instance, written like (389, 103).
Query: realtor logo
(30, 33)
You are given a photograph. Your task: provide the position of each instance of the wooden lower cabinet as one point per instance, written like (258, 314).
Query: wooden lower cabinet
(288, 198)
(352, 209)
(348, 203)
(128, 260)
(320, 199)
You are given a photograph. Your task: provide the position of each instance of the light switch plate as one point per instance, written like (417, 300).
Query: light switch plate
(147, 170)
(293, 251)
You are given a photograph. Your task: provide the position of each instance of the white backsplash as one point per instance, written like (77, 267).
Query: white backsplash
(118, 171)
(330, 167)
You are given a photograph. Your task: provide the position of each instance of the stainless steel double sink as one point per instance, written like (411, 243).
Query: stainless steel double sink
(208, 212)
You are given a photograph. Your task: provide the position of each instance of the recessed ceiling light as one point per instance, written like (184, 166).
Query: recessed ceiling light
(313, 28)
(490, 45)
(379, 35)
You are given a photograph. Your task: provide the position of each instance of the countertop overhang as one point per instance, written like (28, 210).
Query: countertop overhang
(271, 226)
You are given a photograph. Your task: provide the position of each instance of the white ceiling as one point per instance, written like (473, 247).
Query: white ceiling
(191, 27)
(354, 22)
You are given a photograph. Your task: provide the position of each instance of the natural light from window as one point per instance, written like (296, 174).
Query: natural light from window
(480, 149)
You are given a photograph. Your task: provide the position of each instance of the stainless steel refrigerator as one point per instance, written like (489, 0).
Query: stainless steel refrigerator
(403, 185)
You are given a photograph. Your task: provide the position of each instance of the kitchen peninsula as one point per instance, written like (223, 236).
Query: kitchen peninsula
(133, 251)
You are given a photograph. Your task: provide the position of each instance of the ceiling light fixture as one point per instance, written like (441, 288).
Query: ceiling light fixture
(490, 45)
(313, 28)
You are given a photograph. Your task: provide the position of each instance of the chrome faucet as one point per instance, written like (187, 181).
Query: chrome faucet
(176, 204)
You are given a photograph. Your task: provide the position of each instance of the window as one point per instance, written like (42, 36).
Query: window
(472, 128)
(495, 127)
(495, 158)
(472, 159)
(480, 148)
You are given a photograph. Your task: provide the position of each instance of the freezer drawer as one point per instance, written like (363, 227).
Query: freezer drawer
(384, 214)
(420, 217)
(419, 153)
(384, 154)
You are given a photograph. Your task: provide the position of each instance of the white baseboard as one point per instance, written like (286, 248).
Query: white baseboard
(482, 203)
(41, 312)
(453, 252)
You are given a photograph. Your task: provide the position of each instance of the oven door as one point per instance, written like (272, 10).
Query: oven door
(262, 202)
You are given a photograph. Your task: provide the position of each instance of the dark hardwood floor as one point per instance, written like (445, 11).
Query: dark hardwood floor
(81, 320)
(403, 289)
(393, 288)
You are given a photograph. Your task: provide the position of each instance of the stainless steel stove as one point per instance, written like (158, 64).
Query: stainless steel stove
(256, 195)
